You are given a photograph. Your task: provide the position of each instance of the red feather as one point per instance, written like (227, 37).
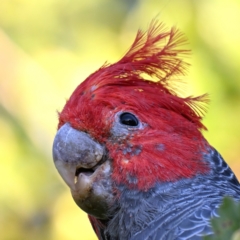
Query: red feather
(170, 145)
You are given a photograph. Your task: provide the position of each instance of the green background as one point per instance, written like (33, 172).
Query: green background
(48, 47)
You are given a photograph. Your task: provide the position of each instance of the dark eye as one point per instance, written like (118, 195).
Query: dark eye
(128, 119)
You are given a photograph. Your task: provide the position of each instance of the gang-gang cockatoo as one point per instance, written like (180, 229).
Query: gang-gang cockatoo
(131, 150)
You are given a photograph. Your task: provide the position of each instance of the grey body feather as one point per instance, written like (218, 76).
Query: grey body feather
(173, 211)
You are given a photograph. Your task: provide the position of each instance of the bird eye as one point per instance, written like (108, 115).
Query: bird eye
(128, 119)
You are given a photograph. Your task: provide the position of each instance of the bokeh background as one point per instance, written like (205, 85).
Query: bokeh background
(48, 47)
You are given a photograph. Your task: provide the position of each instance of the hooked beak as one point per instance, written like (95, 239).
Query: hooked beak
(75, 152)
(83, 165)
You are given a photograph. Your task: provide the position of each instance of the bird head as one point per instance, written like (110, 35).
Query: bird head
(127, 124)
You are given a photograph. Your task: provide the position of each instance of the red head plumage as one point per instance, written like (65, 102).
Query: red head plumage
(169, 145)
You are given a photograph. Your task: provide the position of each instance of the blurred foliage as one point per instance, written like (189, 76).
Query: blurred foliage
(48, 47)
(227, 226)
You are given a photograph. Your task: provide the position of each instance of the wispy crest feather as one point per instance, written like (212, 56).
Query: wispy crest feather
(157, 53)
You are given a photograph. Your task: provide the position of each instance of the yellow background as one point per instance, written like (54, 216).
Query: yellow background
(48, 47)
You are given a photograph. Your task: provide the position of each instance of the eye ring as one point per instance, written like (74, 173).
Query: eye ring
(128, 119)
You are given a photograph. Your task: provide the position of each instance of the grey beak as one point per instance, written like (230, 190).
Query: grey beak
(72, 150)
